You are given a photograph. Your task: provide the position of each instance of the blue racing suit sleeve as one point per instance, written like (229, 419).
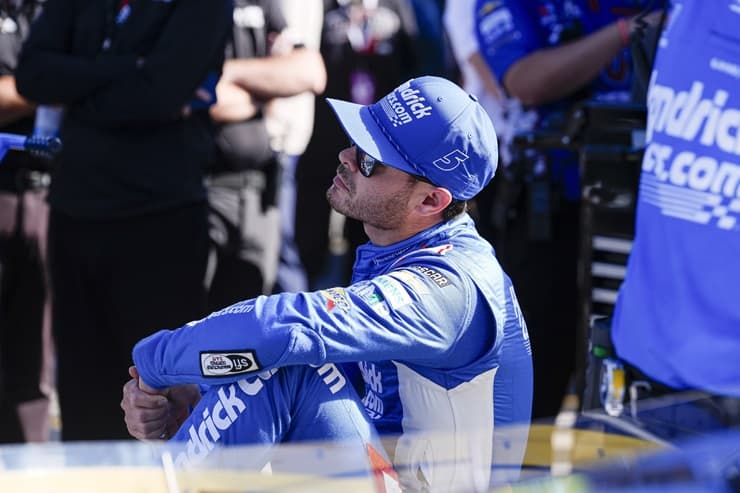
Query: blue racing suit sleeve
(401, 315)
(506, 31)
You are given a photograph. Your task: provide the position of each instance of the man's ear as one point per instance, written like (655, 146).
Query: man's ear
(435, 201)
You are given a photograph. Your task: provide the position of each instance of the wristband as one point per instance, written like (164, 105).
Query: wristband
(624, 32)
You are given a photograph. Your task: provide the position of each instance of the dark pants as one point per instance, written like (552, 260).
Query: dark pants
(245, 236)
(116, 281)
(291, 276)
(25, 337)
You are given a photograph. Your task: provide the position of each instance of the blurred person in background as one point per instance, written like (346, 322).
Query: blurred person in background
(369, 47)
(26, 349)
(290, 123)
(676, 324)
(549, 56)
(433, 46)
(263, 62)
(128, 222)
(509, 118)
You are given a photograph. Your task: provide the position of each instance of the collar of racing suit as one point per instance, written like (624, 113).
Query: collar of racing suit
(371, 258)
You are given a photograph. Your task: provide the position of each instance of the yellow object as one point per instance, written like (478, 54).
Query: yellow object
(588, 446)
(152, 480)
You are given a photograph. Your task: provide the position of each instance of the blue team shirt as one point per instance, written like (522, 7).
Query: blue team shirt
(678, 313)
(509, 30)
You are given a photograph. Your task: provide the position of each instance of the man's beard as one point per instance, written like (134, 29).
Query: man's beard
(380, 212)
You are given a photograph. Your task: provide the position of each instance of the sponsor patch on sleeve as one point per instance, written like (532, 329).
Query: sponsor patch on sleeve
(494, 22)
(433, 275)
(412, 280)
(336, 298)
(221, 363)
(393, 291)
(370, 294)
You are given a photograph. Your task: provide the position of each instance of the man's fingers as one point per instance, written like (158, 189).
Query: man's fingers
(142, 385)
(134, 397)
(146, 431)
(146, 415)
(150, 390)
(152, 414)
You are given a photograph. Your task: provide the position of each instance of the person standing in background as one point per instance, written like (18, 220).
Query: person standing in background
(128, 220)
(507, 114)
(369, 47)
(476, 75)
(290, 123)
(263, 62)
(551, 55)
(676, 323)
(26, 348)
(434, 51)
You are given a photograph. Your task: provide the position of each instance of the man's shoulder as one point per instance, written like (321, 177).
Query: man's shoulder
(453, 258)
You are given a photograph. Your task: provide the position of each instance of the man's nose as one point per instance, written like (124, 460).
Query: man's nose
(347, 157)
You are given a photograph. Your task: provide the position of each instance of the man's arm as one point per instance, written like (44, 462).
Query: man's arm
(404, 315)
(282, 75)
(149, 414)
(48, 74)
(484, 73)
(459, 23)
(13, 106)
(168, 76)
(554, 73)
(247, 82)
(233, 104)
(550, 74)
(512, 42)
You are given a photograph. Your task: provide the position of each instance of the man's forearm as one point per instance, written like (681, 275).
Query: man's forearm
(13, 106)
(232, 113)
(299, 71)
(484, 73)
(234, 104)
(553, 73)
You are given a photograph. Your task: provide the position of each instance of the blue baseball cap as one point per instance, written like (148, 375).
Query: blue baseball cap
(427, 126)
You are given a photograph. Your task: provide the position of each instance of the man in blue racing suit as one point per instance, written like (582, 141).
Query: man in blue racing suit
(430, 315)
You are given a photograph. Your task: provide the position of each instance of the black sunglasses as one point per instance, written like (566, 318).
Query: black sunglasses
(367, 164)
